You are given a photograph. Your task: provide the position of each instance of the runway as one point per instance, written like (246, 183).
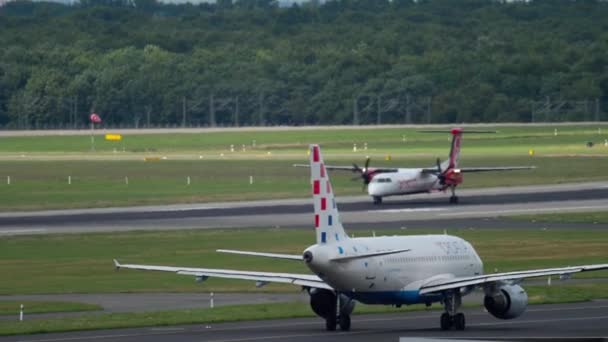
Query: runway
(478, 208)
(540, 321)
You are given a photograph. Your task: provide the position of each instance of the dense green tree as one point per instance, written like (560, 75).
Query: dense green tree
(141, 62)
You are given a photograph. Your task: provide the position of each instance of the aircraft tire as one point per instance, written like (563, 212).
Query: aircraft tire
(331, 323)
(344, 322)
(446, 321)
(454, 200)
(377, 200)
(459, 321)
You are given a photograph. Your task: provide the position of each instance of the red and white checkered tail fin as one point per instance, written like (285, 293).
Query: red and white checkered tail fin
(326, 217)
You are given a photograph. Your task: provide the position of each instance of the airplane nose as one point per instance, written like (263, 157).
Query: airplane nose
(372, 189)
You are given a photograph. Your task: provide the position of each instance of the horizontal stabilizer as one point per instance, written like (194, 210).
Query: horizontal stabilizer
(352, 168)
(260, 254)
(456, 131)
(367, 255)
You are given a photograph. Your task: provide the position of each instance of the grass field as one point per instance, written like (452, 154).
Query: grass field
(508, 140)
(39, 167)
(83, 263)
(44, 184)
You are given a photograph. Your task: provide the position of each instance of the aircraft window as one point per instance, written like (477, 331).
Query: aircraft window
(382, 180)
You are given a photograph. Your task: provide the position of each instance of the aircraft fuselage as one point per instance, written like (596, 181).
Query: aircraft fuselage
(403, 182)
(395, 278)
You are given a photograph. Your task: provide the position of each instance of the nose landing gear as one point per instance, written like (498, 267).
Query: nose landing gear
(453, 198)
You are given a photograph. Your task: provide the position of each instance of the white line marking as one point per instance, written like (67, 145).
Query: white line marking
(516, 211)
(21, 231)
(542, 321)
(412, 210)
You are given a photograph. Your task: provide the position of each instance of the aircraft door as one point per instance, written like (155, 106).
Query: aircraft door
(371, 269)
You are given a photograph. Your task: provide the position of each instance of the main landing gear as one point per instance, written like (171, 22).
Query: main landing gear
(338, 316)
(453, 198)
(451, 317)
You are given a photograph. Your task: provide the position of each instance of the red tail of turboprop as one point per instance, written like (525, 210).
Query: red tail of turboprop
(455, 148)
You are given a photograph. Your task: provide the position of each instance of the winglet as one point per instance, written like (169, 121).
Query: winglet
(116, 264)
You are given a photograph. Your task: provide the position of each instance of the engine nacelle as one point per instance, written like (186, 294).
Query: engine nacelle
(323, 303)
(509, 301)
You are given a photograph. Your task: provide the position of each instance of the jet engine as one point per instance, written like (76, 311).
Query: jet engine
(507, 302)
(323, 303)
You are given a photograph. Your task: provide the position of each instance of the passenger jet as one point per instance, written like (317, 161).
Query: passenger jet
(395, 270)
(383, 182)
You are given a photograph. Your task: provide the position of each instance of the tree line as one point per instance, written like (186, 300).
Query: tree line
(253, 62)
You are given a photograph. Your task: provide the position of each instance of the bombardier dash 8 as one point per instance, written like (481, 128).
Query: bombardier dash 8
(384, 182)
(395, 270)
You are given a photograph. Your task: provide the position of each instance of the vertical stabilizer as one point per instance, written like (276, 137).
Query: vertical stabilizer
(454, 156)
(326, 217)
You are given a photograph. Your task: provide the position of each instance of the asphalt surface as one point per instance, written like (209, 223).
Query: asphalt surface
(542, 321)
(479, 209)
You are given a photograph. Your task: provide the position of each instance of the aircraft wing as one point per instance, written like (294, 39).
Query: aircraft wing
(454, 283)
(434, 170)
(351, 168)
(307, 280)
(499, 168)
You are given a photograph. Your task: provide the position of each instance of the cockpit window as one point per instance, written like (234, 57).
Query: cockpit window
(382, 180)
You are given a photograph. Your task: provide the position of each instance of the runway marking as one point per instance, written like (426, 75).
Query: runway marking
(22, 231)
(516, 211)
(168, 329)
(541, 321)
(406, 210)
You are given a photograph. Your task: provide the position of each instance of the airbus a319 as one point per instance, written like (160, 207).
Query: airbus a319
(395, 270)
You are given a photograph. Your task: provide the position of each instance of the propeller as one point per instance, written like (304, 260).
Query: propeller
(440, 174)
(365, 174)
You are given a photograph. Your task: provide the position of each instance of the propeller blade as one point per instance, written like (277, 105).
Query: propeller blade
(367, 160)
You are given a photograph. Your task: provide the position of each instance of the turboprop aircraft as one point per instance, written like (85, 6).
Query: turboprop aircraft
(383, 182)
(395, 270)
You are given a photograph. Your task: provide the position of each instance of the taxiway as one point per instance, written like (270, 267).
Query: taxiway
(539, 321)
(478, 208)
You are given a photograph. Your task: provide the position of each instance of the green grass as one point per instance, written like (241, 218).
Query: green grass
(39, 167)
(12, 307)
(508, 140)
(44, 184)
(82, 263)
(538, 295)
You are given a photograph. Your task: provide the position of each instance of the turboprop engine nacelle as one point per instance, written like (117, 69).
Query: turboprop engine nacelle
(323, 303)
(509, 301)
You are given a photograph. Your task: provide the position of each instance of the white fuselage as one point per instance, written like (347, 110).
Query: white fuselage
(405, 181)
(394, 278)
